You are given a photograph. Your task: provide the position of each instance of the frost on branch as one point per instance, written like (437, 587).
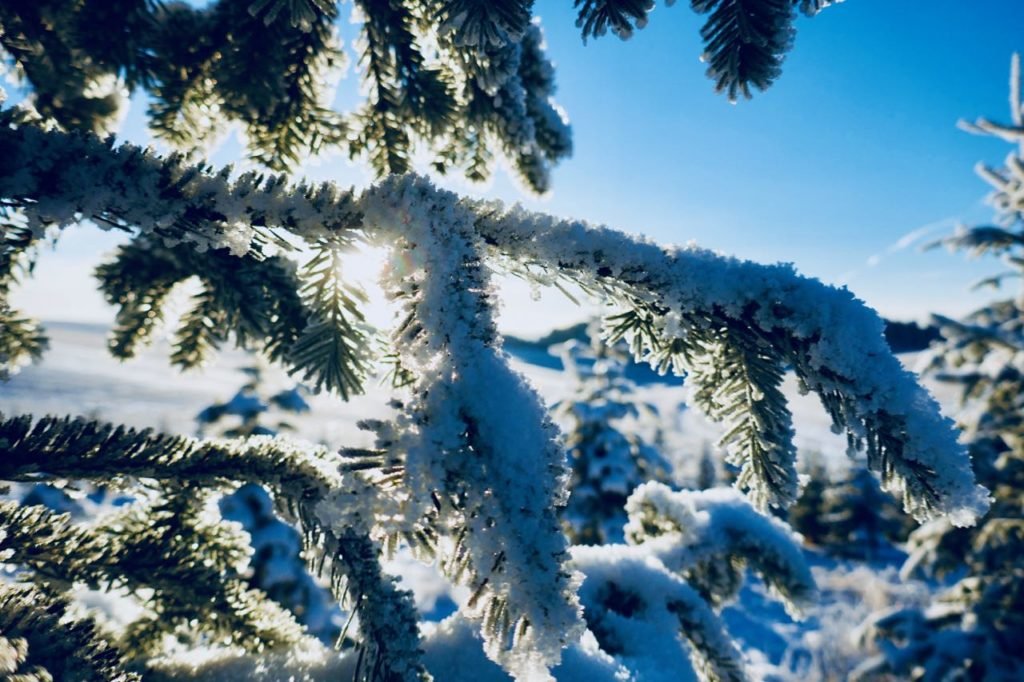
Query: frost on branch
(190, 223)
(733, 327)
(638, 610)
(470, 470)
(481, 457)
(711, 536)
(190, 563)
(652, 603)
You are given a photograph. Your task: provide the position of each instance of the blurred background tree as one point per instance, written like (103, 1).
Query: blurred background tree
(975, 627)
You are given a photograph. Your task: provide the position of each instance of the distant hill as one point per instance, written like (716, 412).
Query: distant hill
(903, 337)
(910, 337)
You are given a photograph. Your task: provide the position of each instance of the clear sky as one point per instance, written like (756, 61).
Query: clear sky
(854, 148)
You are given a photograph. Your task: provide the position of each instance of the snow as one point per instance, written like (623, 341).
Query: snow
(77, 375)
(698, 527)
(638, 609)
(475, 432)
(833, 341)
(840, 352)
(480, 457)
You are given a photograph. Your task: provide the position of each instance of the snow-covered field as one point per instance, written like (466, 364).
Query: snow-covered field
(78, 377)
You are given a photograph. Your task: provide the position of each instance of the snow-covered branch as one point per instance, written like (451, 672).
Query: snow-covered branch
(708, 535)
(480, 452)
(685, 305)
(58, 178)
(66, 448)
(471, 469)
(638, 610)
(335, 510)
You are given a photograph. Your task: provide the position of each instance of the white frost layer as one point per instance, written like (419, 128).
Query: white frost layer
(719, 524)
(842, 350)
(833, 340)
(453, 652)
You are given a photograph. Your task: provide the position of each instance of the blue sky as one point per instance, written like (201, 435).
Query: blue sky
(852, 149)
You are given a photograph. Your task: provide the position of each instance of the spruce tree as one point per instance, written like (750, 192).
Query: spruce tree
(607, 460)
(707, 471)
(276, 566)
(467, 470)
(975, 627)
(807, 515)
(862, 522)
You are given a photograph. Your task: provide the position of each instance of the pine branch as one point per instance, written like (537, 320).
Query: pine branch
(255, 299)
(595, 17)
(332, 351)
(280, 97)
(16, 244)
(59, 178)
(407, 95)
(203, 329)
(625, 591)
(833, 343)
(828, 338)
(739, 381)
(42, 41)
(189, 564)
(179, 76)
(712, 536)
(69, 449)
(42, 641)
(537, 74)
(744, 42)
(138, 280)
(121, 46)
(387, 616)
(465, 461)
(485, 23)
(22, 341)
(301, 479)
(713, 654)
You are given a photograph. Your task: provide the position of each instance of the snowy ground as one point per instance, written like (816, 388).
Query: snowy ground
(78, 377)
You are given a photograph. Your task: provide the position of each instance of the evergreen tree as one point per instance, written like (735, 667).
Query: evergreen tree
(807, 515)
(861, 522)
(607, 461)
(276, 564)
(975, 628)
(463, 78)
(707, 472)
(468, 469)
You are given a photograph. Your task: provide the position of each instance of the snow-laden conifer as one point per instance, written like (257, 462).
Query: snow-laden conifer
(656, 598)
(607, 460)
(470, 470)
(974, 628)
